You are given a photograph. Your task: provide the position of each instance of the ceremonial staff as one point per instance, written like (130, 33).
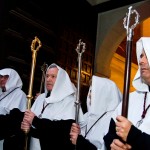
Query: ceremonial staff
(43, 68)
(80, 49)
(35, 46)
(34, 49)
(129, 28)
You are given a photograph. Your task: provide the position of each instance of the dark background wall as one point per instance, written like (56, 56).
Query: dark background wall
(59, 26)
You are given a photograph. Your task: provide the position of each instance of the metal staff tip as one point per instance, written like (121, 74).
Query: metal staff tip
(34, 46)
(79, 45)
(126, 21)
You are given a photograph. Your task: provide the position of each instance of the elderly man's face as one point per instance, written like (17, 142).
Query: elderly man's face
(51, 76)
(144, 67)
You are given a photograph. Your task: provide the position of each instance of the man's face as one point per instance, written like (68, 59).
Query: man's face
(144, 67)
(3, 80)
(51, 76)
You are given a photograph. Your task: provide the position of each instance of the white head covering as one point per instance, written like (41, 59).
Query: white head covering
(105, 97)
(14, 79)
(66, 88)
(142, 44)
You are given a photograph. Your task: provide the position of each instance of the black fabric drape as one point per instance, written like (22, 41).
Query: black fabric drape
(10, 130)
(52, 132)
(84, 144)
(138, 140)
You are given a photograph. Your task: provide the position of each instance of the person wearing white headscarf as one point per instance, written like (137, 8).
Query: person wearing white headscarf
(138, 123)
(51, 117)
(102, 99)
(11, 98)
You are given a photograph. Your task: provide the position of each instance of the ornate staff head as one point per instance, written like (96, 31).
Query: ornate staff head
(34, 44)
(127, 23)
(43, 68)
(79, 45)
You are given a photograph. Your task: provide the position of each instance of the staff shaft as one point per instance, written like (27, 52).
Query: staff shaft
(127, 79)
(29, 96)
(129, 28)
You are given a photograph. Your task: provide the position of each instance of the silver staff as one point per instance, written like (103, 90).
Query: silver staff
(80, 49)
(129, 28)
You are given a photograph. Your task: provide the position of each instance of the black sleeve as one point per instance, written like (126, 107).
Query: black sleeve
(84, 144)
(111, 135)
(10, 123)
(137, 139)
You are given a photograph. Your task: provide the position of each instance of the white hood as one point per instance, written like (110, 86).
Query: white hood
(66, 88)
(142, 43)
(14, 79)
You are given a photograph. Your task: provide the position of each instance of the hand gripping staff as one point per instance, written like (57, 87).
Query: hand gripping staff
(80, 49)
(35, 46)
(129, 28)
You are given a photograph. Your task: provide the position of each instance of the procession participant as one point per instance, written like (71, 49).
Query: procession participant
(139, 102)
(102, 99)
(52, 113)
(11, 98)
